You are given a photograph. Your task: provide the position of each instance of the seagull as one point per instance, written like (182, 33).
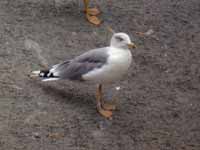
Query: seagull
(99, 66)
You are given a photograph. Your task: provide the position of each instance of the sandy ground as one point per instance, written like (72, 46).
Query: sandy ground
(159, 104)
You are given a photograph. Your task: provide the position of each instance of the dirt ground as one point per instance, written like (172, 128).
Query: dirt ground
(158, 106)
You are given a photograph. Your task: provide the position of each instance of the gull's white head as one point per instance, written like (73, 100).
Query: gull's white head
(121, 40)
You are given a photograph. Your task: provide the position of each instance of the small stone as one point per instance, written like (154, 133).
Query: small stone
(149, 32)
(36, 135)
(74, 33)
(117, 88)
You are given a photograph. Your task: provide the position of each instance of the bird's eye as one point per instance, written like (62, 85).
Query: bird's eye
(119, 38)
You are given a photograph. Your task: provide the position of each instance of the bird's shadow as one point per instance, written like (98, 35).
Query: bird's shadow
(78, 99)
(70, 96)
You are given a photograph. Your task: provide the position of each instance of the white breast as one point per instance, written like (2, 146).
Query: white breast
(117, 65)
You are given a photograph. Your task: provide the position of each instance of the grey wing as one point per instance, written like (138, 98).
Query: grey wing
(74, 69)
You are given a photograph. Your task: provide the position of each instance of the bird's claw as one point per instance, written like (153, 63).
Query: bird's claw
(93, 19)
(106, 113)
(109, 106)
(91, 15)
(92, 11)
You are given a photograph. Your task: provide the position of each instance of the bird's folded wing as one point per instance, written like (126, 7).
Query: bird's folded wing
(74, 69)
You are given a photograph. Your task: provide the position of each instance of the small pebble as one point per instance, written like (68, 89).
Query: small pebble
(36, 135)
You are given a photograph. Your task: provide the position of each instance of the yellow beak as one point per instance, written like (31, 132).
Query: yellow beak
(132, 45)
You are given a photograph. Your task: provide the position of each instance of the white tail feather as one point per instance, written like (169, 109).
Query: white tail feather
(50, 79)
(37, 72)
